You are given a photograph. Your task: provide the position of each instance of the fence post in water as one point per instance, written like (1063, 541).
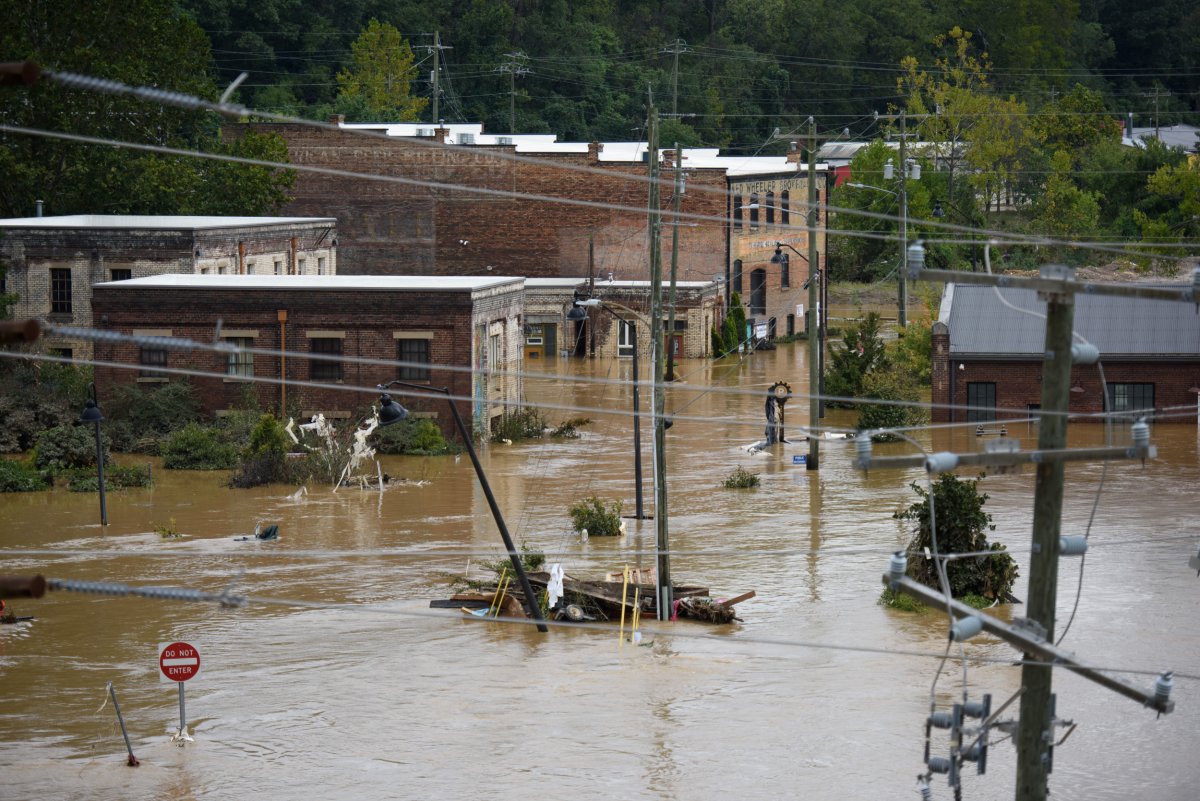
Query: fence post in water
(132, 761)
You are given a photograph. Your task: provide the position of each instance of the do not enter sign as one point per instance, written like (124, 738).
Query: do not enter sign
(179, 661)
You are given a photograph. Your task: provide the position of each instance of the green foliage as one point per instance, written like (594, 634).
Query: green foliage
(891, 385)
(141, 417)
(116, 477)
(264, 460)
(20, 477)
(195, 447)
(35, 396)
(898, 600)
(531, 562)
(415, 436)
(861, 352)
(1064, 209)
(728, 339)
(741, 478)
(600, 519)
(962, 527)
(268, 438)
(569, 429)
(380, 76)
(523, 423)
(64, 448)
(912, 353)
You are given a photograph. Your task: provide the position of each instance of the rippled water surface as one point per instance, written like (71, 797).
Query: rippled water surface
(366, 693)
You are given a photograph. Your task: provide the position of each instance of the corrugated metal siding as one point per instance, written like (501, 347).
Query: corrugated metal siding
(980, 324)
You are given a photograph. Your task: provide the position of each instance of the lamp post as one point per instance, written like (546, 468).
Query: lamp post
(578, 312)
(391, 412)
(939, 212)
(816, 352)
(92, 414)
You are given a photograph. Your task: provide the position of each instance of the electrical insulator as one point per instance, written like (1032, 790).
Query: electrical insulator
(940, 764)
(916, 259)
(914, 170)
(942, 462)
(978, 709)
(941, 720)
(897, 566)
(1084, 354)
(889, 171)
(1162, 687)
(966, 627)
(862, 449)
(1141, 433)
(925, 790)
(1075, 545)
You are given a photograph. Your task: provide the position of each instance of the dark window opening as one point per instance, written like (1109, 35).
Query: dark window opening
(321, 370)
(737, 276)
(737, 213)
(64, 353)
(770, 208)
(417, 352)
(150, 358)
(1131, 398)
(981, 397)
(785, 273)
(758, 292)
(240, 363)
(754, 211)
(60, 291)
(785, 211)
(121, 274)
(791, 325)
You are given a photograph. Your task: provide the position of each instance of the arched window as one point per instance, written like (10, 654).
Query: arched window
(754, 211)
(785, 209)
(737, 212)
(770, 208)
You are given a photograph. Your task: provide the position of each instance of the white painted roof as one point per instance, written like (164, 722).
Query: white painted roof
(156, 222)
(383, 283)
(552, 283)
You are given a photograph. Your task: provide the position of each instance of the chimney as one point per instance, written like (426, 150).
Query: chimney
(337, 119)
(38, 204)
(594, 151)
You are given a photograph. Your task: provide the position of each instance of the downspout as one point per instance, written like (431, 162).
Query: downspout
(295, 259)
(282, 315)
(241, 258)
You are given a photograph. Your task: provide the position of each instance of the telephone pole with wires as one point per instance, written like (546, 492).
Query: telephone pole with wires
(677, 47)
(435, 93)
(1034, 635)
(515, 67)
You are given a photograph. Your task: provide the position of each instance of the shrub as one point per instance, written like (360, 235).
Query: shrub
(264, 459)
(69, 447)
(741, 478)
(20, 477)
(116, 477)
(418, 436)
(526, 423)
(36, 396)
(893, 385)
(961, 528)
(600, 519)
(849, 366)
(267, 438)
(141, 419)
(569, 429)
(195, 447)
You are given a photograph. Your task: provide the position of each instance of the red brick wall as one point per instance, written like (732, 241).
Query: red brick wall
(389, 229)
(367, 318)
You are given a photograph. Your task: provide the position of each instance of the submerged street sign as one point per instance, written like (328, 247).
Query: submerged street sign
(179, 661)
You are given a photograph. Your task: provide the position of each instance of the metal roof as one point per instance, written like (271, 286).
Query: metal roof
(157, 222)
(981, 325)
(319, 283)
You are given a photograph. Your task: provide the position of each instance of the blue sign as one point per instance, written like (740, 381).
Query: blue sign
(799, 458)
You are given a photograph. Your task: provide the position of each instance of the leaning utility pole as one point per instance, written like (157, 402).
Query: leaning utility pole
(663, 600)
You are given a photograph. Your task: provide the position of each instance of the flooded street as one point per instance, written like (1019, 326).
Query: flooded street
(366, 693)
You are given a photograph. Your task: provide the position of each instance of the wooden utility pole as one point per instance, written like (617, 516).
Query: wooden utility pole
(664, 600)
(812, 324)
(1036, 732)
(437, 51)
(902, 318)
(670, 376)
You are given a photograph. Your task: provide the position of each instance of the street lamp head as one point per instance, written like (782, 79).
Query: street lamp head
(938, 212)
(576, 313)
(390, 411)
(780, 257)
(91, 412)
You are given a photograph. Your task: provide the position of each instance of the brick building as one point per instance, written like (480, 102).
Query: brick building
(989, 356)
(54, 261)
(766, 209)
(468, 331)
(433, 227)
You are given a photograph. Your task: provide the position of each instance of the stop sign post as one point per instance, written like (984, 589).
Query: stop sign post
(179, 662)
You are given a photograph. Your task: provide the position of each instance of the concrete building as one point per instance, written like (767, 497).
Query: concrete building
(54, 261)
(988, 355)
(464, 333)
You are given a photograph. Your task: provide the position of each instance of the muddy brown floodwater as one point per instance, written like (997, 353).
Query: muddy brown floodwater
(367, 694)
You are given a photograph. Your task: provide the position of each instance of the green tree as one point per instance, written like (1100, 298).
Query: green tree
(381, 73)
(1179, 186)
(861, 352)
(1065, 209)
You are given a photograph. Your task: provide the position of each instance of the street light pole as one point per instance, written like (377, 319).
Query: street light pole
(815, 348)
(392, 412)
(596, 303)
(91, 414)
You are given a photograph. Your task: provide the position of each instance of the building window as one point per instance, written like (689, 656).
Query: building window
(320, 265)
(60, 291)
(151, 358)
(241, 363)
(249, 268)
(737, 276)
(1130, 397)
(754, 211)
(785, 272)
(279, 266)
(785, 209)
(981, 397)
(416, 352)
(758, 291)
(321, 370)
(62, 353)
(494, 352)
(303, 268)
(770, 208)
(221, 270)
(791, 325)
(120, 274)
(737, 213)
(625, 339)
